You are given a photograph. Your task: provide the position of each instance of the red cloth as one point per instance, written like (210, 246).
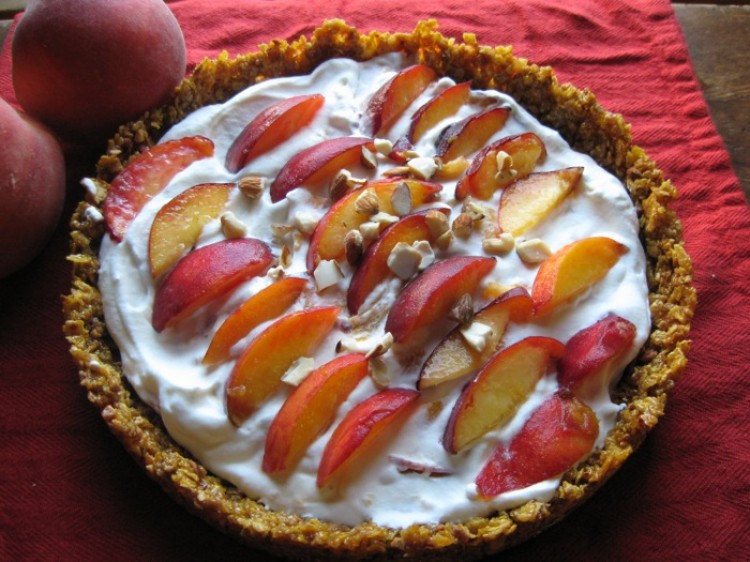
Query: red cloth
(70, 492)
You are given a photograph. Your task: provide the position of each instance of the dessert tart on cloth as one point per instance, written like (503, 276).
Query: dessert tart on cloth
(424, 305)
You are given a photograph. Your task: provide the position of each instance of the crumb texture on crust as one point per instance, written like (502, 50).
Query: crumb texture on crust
(583, 123)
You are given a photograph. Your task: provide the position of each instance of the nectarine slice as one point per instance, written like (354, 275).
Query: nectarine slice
(499, 388)
(442, 106)
(454, 357)
(526, 202)
(373, 269)
(271, 127)
(392, 99)
(470, 134)
(591, 355)
(484, 176)
(310, 409)
(258, 371)
(263, 306)
(146, 175)
(430, 296)
(361, 428)
(573, 269)
(560, 433)
(206, 274)
(179, 223)
(326, 242)
(318, 163)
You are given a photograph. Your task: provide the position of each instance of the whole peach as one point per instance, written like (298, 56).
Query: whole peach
(32, 188)
(83, 67)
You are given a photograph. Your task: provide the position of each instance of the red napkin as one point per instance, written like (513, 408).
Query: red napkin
(69, 491)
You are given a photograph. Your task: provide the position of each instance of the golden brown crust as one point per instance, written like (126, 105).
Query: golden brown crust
(579, 118)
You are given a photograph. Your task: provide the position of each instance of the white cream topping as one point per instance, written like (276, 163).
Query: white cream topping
(166, 370)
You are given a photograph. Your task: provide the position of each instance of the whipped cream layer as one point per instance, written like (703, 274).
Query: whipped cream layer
(166, 370)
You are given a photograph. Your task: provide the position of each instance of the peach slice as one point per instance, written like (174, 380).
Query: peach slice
(360, 429)
(454, 357)
(499, 388)
(430, 296)
(258, 371)
(469, 135)
(318, 163)
(310, 409)
(145, 176)
(271, 127)
(525, 203)
(443, 105)
(179, 223)
(373, 269)
(591, 355)
(263, 306)
(484, 177)
(573, 269)
(327, 241)
(560, 433)
(392, 99)
(206, 274)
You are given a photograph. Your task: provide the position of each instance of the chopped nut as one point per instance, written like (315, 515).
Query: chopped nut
(367, 202)
(437, 222)
(285, 259)
(231, 226)
(396, 171)
(422, 167)
(473, 209)
(370, 230)
(276, 273)
(252, 186)
(404, 260)
(505, 170)
(425, 250)
(304, 222)
(327, 273)
(383, 146)
(401, 199)
(444, 240)
(476, 335)
(533, 251)
(383, 218)
(462, 225)
(339, 186)
(368, 159)
(452, 169)
(463, 311)
(379, 372)
(382, 346)
(354, 246)
(499, 245)
(282, 231)
(298, 371)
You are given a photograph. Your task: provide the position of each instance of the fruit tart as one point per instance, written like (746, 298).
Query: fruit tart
(378, 296)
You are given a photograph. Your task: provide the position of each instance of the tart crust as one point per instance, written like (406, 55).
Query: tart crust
(581, 121)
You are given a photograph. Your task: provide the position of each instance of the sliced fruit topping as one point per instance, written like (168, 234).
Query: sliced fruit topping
(497, 391)
(469, 135)
(573, 269)
(206, 274)
(179, 223)
(258, 371)
(499, 164)
(145, 176)
(525, 203)
(310, 409)
(592, 354)
(430, 296)
(560, 433)
(356, 208)
(263, 306)
(318, 163)
(442, 106)
(373, 268)
(392, 99)
(457, 355)
(271, 127)
(360, 429)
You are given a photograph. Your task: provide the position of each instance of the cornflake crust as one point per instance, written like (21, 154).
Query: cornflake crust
(581, 121)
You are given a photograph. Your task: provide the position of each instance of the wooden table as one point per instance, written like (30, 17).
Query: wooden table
(717, 37)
